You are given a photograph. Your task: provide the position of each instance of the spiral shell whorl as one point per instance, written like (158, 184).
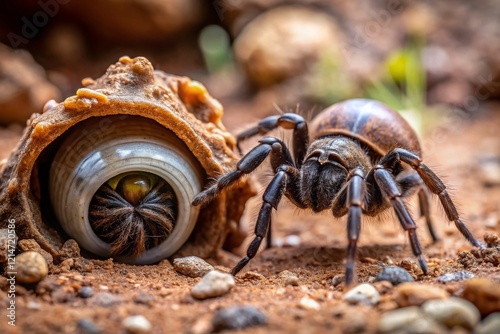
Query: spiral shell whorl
(98, 150)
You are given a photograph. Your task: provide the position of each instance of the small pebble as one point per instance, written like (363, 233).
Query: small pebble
(394, 274)
(289, 278)
(489, 325)
(86, 292)
(456, 276)
(137, 324)
(407, 320)
(213, 284)
(5, 242)
(362, 294)
(69, 250)
(338, 279)
(415, 294)
(145, 299)
(31, 267)
(106, 299)
(86, 326)
(483, 293)
(452, 312)
(32, 305)
(309, 304)
(238, 317)
(292, 241)
(192, 266)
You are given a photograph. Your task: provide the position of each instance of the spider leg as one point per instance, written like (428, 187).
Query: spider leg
(356, 189)
(246, 165)
(387, 183)
(271, 198)
(414, 181)
(286, 121)
(423, 200)
(435, 185)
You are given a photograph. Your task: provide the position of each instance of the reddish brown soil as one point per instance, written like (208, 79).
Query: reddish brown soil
(163, 296)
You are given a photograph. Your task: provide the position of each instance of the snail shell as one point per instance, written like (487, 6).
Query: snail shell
(87, 160)
(48, 181)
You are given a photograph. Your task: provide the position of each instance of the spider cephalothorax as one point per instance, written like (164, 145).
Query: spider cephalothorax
(363, 159)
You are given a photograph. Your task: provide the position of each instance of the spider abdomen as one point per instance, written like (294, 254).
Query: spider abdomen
(372, 123)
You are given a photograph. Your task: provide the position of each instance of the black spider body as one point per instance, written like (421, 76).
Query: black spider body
(363, 158)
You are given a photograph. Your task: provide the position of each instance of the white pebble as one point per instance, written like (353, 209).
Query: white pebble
(407, 320)
(452, 312)
(137, 324)
(213, 284)
(309, 304)
(362, 294)
(292, 241)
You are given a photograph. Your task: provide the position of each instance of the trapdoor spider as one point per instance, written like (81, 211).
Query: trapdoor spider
(363, 159)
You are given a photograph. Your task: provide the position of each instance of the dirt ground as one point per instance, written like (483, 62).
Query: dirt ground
(456, 148)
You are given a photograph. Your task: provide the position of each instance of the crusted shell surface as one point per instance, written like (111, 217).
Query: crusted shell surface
(129, 87)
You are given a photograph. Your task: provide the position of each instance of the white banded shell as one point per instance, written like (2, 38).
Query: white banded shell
(100, 148)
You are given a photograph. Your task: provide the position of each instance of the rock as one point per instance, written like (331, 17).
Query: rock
(289, 278)
(407, 320)
(145, 299)
(86, 326)
(238, 317)
(70, 250)
(415, 294)
(309, 304)
(284, 42)
(456, 276)
(489, 325)
(86, 292)
(338, 279)
(106, 299)
(7, 239)
(383, 287)
(27, 245)
(137, 324)
(31, 267)
(483, 293)
(362, 294)
(213, 284)
(492, 240)
(292, 241)
(192, 266)
(452, 312)
(394, 274)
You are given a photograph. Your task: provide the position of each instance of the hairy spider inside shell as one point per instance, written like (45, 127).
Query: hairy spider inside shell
(133, 213)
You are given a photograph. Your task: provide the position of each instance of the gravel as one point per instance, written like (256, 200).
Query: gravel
(86, 326)
(137, 324)
(106, 299)
(452, 312)
(456, 276)
(362, 294)
(394, 274)
(483, 293)
(309, 304)
(192, 266)
(238, 317)
(213, 284)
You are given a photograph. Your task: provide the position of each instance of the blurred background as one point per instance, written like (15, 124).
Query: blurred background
(428, 60)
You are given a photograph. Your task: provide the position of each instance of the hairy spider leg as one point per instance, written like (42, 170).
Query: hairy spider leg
(286, 121)
(435, 185)
(356, 189)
